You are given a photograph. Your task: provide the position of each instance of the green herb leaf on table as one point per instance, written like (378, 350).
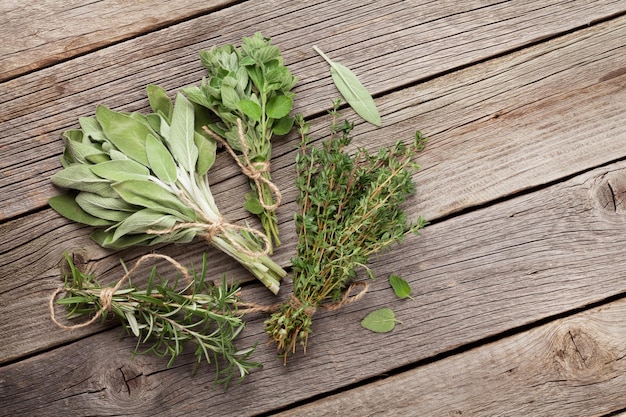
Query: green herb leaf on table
(355, 94)
(401, 288)
(382, 320)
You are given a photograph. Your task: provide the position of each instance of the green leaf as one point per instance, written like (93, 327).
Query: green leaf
(113, 209)
(125, 132)
(283, 126)
(92, 128)
(105, 239)
(380, 321)
(279, 107)
(161, 160)
(80, 177)
(160, 101)
(230, 98)
(355, 94)
(120, 170)
(206, 152)
(181, 135)
(401, 288)
(153, 196)
(250, 109)
(253, 205)
(79, 147)
(142, 221)
(67, 207)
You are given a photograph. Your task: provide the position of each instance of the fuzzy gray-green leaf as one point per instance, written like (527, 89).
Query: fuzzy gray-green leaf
(355, 94)
(120, 170)
(143, 221)
(161, 161)
(159, 101)
(125, 132)
(181, 134)
(107, 208)
(67, 207)
(80, 177)
(150, 195)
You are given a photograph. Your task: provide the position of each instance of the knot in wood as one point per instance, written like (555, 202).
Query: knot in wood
(608, 193)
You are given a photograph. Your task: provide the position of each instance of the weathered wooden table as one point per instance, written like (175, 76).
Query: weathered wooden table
(519, 281)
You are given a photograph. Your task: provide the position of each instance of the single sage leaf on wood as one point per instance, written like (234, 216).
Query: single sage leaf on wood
(355, 94)
(380, 321)
(401, 288)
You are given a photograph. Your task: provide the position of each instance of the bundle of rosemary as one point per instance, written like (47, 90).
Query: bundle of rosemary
(349, 209)
(165, 316)
(250, 84)
(141, 179)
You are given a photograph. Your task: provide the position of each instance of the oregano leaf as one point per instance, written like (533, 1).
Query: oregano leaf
(401, 288)
(355, 94)
(382, 320)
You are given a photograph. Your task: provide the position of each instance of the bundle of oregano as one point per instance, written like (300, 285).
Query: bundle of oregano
(349, 209)
(141, 179)
(250, 84)
(164, 316)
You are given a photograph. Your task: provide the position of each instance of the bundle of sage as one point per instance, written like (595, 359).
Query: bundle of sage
(165, 314)
(141, 179)
(250, 84)
(349, 209)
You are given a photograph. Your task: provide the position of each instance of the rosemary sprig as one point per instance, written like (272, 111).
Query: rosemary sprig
(165, 318)
(349, 209)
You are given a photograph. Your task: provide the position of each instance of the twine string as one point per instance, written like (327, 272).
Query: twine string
(107, 293)
(252, 170)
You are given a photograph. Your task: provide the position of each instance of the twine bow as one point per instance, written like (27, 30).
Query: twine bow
(107, 293)
(252, 170)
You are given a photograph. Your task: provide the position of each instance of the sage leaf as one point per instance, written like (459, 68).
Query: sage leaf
(206, 152)
(124, 132)
(160, 101)
(92, 128)
(81, 178)
(380, 321)
(355, 94)
(105, 239)
(113, 209)
(150, 195)
(120, 170)
(161, 161)
(143, 220)
(401, 288)
(279, 107)
(66, 206)
(181, 134)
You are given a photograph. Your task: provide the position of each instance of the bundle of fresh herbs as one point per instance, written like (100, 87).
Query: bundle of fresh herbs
(250, 84)
(349, 209)
(142, 180)
(165, 316)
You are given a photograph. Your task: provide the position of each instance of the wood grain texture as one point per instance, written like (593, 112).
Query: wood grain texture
(568, 367)
(51, 31)
(532, 141)
(389, 44)
(474, 276)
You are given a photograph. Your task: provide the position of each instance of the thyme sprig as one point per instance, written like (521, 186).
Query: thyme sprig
(164, 317)
(349, 209)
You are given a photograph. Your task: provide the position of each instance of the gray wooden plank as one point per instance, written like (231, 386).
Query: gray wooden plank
(474, 276)
(389, 44)
(569, 367)
(45, 32)
(533, 141)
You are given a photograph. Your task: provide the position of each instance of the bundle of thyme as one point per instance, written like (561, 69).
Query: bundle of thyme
(164, 316)
(349, 209)
(250, 84)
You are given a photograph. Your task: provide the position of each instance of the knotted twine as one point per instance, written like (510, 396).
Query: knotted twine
(107, 293)
(309, 310)
(252, 170)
